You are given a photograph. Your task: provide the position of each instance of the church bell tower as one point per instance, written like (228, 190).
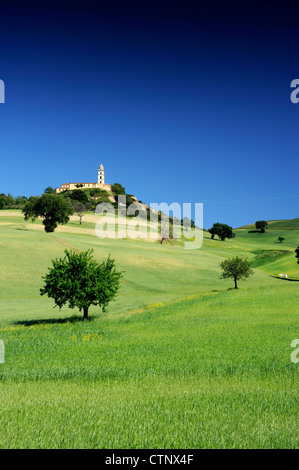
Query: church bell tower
(101, 176)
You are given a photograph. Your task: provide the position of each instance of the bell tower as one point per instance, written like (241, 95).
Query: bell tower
(101, 175)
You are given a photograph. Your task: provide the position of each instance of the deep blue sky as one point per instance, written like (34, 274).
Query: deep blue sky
(182, 101)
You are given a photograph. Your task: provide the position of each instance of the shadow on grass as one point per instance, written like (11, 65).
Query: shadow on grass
(49, 321)
(284, 278)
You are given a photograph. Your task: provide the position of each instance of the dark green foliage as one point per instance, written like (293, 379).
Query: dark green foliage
(11, 202)
(213, 231)
(261, 225)
(78, 195)
(297, 254)
(280, 239)
(49, 190)
(97, 192)
(118, 189)
(129, 200)
(236, 268)
(52, 208)
(80, 281)
(223, 231)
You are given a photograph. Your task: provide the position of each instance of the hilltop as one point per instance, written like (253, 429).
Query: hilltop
(291, 224)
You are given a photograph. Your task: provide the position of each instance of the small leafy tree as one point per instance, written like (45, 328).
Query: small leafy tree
(187, 223)
(261, 225)
(77, 279)
(236, 268)
(52, 208)
(297, 254)
(80, 209)
(166, 231)
(280, 239)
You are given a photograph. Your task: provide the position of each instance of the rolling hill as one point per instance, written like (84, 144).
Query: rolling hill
(178, 358)
(292, 224)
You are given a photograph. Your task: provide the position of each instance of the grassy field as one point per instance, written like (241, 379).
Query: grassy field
(180, 360)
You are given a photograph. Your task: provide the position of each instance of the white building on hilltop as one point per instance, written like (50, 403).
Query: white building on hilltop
(100, 184)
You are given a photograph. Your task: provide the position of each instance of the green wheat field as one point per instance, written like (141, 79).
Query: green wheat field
(179, 360)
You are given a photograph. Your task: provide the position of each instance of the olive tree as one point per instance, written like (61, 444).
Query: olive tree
(79, 281)
(236, 268)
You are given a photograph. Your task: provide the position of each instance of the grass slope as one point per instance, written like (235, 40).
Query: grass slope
(180, 360)
(292, 224)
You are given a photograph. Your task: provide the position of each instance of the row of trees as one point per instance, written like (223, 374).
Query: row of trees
(86, 196)
(10, 202)
(55, 209)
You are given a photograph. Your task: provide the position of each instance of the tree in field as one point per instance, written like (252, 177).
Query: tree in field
(166, 230)
(213, 231)
(80, 209)
(280, 239)
(261, 225)
(187, 223)
(297, 254)
(77, 279)
(52, 208)
(236, 268)
(222, 230)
